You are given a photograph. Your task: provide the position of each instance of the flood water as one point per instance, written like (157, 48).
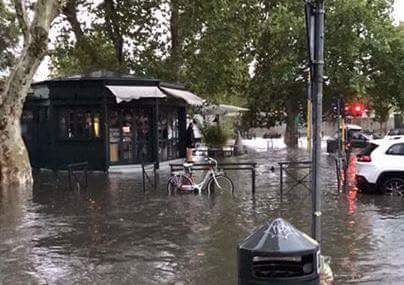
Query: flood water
(113, 233)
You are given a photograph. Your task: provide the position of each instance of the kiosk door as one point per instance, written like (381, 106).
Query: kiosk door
(129, 135)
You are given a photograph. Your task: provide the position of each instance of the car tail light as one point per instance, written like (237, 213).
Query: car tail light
(364, 158)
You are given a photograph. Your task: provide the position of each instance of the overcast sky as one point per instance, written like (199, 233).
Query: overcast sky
(399, 10)
(43, 72)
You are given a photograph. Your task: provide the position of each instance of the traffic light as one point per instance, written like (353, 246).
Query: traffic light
(354, 109)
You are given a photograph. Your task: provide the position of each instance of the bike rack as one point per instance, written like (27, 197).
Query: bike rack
(73, 170)
(251, 166)
(285, 166)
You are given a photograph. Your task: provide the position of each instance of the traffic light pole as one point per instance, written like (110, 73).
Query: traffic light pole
(315, 20)
(310, 47)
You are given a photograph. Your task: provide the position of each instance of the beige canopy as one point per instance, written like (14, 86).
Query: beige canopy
(128, 93)
(185, 95)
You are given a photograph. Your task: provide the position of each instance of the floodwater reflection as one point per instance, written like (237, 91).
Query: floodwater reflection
(113, 233)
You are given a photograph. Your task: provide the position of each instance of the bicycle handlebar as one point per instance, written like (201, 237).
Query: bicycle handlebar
(213, 160)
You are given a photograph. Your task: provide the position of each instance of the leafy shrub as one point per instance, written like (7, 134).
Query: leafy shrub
(216, 136)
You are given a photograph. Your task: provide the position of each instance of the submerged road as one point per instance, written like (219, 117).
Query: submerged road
(113, 233)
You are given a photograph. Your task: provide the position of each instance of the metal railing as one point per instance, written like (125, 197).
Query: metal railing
(286, 166)
(249, 166)
(74, 171)
(341, 164)
(145, 176)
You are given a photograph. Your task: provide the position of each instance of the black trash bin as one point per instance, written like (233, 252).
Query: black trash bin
(278, 253)
(332, 146)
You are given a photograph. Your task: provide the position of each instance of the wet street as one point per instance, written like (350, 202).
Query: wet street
(113, 233)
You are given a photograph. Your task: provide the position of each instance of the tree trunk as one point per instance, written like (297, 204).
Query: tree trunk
(14, 164)
(14, 161)
(291, 133)
(176, 48)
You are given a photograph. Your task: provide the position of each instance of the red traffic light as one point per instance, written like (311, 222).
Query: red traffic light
(354, 109)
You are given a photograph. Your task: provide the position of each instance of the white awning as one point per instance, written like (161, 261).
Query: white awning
(224, 110)
(232, 108)
(187, 96)
(127, 93)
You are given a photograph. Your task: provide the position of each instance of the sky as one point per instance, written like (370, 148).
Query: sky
(43, 72)
(398, 13)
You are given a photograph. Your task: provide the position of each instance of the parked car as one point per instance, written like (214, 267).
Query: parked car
(355, 137)
(395, 134)
(380, 167)
(359, 139)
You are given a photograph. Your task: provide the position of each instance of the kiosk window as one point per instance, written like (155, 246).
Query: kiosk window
(79, 124)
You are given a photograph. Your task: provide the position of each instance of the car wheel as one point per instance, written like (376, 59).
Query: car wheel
(393, 186)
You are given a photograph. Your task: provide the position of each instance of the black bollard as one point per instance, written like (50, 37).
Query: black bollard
(278, 253)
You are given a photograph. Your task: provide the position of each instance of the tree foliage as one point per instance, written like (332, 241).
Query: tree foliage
(9, 32)
(212, 47)
(116, 38)
(386, 91)
(360, 61)
(203, 44)
(280, 56)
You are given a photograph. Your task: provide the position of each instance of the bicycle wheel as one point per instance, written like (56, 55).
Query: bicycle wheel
(220, 184)
(180, 182)
(172, 185)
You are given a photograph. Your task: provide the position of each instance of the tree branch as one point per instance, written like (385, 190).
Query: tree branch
(69, 10)
(22, 19)
(113, 28)
(36, 45)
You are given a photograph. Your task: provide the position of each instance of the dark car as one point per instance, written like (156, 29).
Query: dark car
(359, 140)
(355, 138)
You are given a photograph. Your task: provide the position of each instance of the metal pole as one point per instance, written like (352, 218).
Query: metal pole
(318, 76)
(281, 180)
(143, 177)
(339, 125)
(338, 168)
(156, 133)
(155, 177)
(310, 21)
(253, 179)
(70, 178)
(309, 116)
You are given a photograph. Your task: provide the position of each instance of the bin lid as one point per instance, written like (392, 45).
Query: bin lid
(279, 237)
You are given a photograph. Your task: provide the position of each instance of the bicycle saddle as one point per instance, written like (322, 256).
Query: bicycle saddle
(187, 164)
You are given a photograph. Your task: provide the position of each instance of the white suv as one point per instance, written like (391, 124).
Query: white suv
(380, 167)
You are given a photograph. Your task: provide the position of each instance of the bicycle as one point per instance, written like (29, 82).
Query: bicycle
(184, 182)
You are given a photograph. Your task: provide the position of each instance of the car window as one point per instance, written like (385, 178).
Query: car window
(356, 136)
(391, 133)
(396, 132)
(362, 137)
(368, 149)
(397, 149)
